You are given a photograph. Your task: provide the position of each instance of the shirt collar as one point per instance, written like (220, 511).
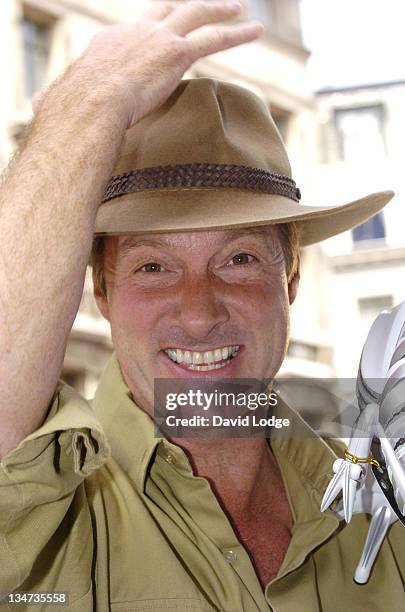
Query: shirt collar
(130, 431)
(311, 456)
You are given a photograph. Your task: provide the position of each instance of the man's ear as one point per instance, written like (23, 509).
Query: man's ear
(293, 285)
(101, 301)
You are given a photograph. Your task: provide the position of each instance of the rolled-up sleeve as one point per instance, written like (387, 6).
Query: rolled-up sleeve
(39, 482)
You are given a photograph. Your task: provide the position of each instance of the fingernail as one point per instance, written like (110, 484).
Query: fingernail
(234, 4)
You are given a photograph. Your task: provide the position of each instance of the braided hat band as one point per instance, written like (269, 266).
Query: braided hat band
(186, 176)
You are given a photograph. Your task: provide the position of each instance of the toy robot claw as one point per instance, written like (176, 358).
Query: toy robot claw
(372, 474)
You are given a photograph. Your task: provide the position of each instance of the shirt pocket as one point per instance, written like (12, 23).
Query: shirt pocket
(83, 604)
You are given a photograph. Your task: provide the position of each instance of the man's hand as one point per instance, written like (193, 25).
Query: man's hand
(140, 64)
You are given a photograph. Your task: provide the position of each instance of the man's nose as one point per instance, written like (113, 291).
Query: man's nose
(200, 308)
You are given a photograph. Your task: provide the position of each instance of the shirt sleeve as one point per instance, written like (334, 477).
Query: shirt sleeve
(39, 479)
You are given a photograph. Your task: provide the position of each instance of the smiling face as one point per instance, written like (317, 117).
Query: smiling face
(196, 304)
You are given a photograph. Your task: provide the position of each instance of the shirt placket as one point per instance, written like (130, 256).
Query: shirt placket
(211, 519)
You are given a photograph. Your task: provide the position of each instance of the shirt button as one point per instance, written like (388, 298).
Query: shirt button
(230, 556)
(170, 459)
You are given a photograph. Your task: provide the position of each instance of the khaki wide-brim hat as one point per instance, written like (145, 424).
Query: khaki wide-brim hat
(211, 157)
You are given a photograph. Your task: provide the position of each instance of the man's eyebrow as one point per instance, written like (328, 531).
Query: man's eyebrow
(130, 242)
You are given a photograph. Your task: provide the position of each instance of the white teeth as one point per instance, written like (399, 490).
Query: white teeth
(205, 368)
(214, 359)
(172, 354)
(197, 358)
(208, 357)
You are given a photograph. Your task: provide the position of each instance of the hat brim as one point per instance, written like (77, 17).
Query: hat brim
(205, 209)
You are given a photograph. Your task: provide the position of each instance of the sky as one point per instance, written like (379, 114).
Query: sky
(354, 42)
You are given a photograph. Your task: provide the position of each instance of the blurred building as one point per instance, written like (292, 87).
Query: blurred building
(361, 147)
(339, 292)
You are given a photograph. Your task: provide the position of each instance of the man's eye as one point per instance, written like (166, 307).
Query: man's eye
(241, 258)
(152, 266)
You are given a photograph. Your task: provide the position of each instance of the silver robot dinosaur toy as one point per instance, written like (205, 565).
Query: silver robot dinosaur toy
(372, 474)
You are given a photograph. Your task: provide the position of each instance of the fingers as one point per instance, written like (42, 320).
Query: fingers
(191, 15)
(159, 10)
(213, 39)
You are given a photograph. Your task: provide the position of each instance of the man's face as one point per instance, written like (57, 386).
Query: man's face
(196, 304)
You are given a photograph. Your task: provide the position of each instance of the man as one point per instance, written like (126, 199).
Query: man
(196, 272)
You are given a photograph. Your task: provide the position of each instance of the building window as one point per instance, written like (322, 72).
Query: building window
(360, 133)
(370, 307)
(373, 229)
(262, 10)
(36, 38)
(302, 350)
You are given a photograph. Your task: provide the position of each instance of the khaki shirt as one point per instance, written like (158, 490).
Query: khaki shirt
(124, 525)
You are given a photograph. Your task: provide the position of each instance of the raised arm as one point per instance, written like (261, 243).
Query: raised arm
(53, 186)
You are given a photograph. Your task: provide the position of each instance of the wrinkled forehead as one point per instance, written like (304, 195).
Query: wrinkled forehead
(265, 234)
